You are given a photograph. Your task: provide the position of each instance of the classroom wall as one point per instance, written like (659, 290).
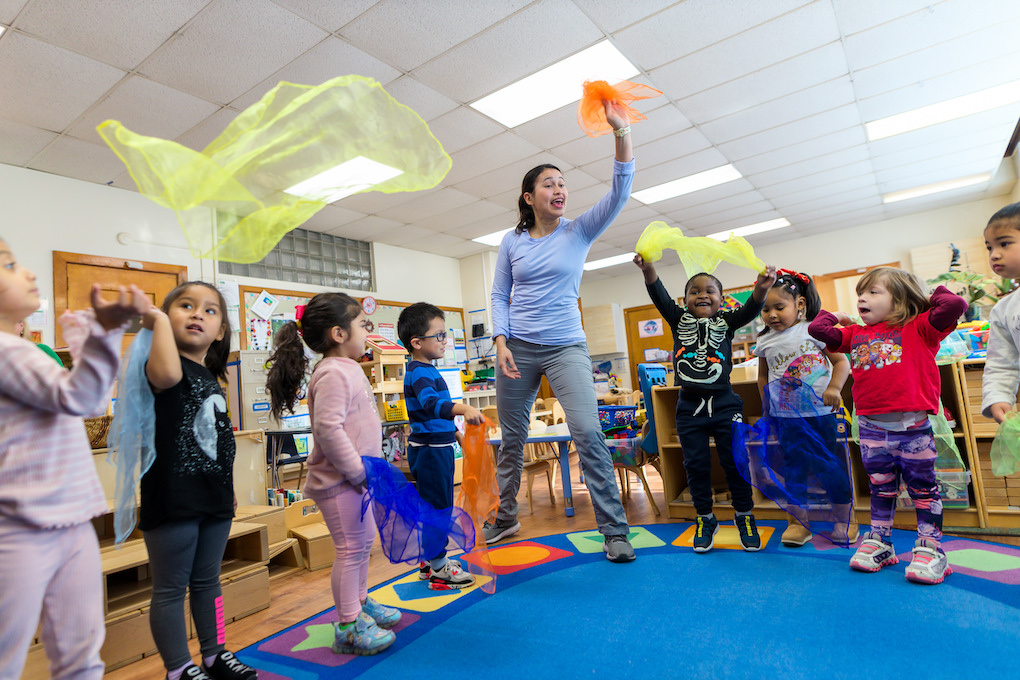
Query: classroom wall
(41, 213)
(864, 245)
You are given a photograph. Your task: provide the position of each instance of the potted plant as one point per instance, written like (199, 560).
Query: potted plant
(976, 289)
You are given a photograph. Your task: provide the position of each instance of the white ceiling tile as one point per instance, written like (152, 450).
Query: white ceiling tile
(537, 36)
(329, 16)
(845, 221)
(730, 218)
(426, 204)
(201, 135)
(717, 194)
(691, 164)
(794, 205)
(465, 249)
(432, 243)
(801, 72)
(509, 177)
(852, 176)
(425, 101)
(463, 127)
(661, 122)
(948, 147)
(247, 40)
(331, 217)
(989, 51)
(611, 16)
(937, 170)
(145, 107)
(938, 23)
(785, 37)
(935, 90)
(667, 148)
(408, 33)
(855, 16)
(371, 202)
(121, 34)
(812, 148)
(503, 149)
(555, 128)
(74, 158)
(823, 97)
(840, 204)
(35, 84)
(330, 58)
(693, 212)
(785, 173)
(582, 151)
(694, 25)
(466, 215)
(9, 10)
(124, 181)
(812, 127)
(401, 235)
(366, 229)
(20, 143)
(999, 122)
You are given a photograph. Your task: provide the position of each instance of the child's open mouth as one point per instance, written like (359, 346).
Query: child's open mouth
(194, 327)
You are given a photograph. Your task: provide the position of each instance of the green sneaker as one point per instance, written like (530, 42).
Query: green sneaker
(363, 637)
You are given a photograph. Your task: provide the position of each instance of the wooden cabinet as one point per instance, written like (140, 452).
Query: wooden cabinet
(954, 397)
(604, 330)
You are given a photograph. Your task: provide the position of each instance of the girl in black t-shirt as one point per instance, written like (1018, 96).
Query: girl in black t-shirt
(187, 495)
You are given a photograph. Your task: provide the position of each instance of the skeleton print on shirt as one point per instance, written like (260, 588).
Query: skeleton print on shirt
(699, 357)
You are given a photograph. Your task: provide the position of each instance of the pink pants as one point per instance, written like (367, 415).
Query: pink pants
(352, 540)
(55, 575)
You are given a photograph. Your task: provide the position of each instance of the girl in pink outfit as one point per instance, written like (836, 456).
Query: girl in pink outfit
(345, 427)
(49, 491)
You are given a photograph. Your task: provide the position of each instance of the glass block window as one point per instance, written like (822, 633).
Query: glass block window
(304, 256)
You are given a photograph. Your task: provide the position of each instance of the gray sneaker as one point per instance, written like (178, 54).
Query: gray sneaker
(618, 549)
(497, 531)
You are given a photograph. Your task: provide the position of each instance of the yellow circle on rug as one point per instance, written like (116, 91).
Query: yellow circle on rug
(513, 555)
(728, 538)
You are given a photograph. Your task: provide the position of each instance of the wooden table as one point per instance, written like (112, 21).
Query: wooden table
(563, 444)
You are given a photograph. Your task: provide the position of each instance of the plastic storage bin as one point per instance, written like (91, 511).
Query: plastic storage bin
(625, 451)
(616, 416)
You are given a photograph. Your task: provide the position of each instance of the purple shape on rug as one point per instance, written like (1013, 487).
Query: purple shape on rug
(284, 643)
(1005, 576)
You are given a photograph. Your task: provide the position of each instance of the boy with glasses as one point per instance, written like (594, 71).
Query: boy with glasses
(422, 330)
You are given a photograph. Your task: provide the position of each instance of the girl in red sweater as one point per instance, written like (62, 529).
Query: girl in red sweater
(896, 385)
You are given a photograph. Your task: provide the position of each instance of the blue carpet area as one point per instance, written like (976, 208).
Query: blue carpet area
(790, 613)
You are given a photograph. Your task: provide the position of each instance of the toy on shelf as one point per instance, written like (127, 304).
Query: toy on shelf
(386, 373)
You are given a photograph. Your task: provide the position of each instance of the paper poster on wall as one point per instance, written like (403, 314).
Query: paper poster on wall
(649, 328)
(40, 316)
(655, 354)
(452, 378)
(387, 330)
(260, 334)
(264, 305)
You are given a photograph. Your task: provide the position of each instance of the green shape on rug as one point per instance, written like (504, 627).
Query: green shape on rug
(319, 635)
(591, 541)
(983, 560)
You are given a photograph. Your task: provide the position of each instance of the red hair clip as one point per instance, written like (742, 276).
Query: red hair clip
(299, 311)
(803, 278)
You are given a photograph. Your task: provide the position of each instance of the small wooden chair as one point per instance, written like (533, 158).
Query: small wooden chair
(535, 464)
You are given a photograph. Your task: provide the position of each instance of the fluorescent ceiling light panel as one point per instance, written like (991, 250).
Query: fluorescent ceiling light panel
(556, 85)
(689, 184)
(951, 109)
(937, 187)
(608, 261)
(348, 178)
(493, 239)
(758, 228)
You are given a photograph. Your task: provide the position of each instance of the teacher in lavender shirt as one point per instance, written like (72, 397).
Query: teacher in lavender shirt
(540, 265)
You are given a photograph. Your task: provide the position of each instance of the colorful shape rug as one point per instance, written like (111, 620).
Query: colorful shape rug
(561, 610)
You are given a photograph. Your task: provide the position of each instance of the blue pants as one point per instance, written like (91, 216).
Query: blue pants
(568, 368)
(432, 467)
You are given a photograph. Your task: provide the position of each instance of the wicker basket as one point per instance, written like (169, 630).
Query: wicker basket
(96, 429)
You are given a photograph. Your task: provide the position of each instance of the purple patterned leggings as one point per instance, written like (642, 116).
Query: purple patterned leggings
(889, 456)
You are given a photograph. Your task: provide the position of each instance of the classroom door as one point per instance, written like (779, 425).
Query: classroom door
(647, 333)
(73, 276)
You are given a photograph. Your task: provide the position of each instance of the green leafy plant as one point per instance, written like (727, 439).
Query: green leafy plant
(978, 289)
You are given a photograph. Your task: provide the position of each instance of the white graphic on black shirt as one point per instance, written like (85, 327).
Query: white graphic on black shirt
(205, 423)
(699, 358)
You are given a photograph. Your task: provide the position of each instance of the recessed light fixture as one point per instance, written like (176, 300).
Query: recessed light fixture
(937, 187)
(689, 184)
(556, 85)
(608, 261)
(348, 178)
(2, 29)
(493, 239)
(951, 109)
(778, 223)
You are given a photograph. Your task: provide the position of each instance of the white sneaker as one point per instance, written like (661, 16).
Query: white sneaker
(451, 577)
(928, 565)
(873, 554)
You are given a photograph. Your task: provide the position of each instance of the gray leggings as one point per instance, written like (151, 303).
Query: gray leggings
(182, 555)
(568, 369)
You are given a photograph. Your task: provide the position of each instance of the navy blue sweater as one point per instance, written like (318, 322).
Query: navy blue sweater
(429, 407)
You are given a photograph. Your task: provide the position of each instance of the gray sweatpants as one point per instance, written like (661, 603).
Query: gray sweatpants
(186, 555)
(568, 368)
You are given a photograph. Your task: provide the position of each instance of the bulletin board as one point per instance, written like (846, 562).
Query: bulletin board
(257, 332)
(736, 297)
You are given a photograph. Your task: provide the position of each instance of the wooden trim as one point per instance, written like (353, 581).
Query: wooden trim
(61, 260)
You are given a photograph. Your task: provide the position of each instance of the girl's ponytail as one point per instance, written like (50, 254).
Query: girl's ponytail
(288, 367)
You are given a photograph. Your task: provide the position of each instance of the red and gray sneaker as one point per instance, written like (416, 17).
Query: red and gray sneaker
(424, 571)
(451, 577)
(873, 554)
(929, 565)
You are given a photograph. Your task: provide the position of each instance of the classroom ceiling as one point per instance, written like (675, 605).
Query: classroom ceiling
(779, 88)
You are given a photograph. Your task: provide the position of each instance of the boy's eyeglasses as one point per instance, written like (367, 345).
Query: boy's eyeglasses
(441, 337)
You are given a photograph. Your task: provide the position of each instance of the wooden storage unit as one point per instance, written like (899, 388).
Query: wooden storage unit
(674, 477)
